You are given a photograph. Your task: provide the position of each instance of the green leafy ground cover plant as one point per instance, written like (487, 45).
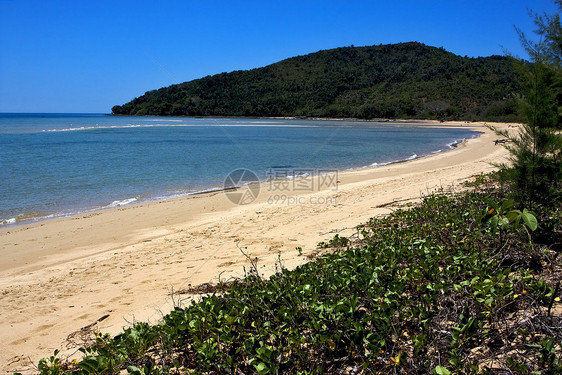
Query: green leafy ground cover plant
(423, 290)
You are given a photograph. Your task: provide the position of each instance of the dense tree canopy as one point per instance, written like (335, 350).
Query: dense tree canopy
(407, 80)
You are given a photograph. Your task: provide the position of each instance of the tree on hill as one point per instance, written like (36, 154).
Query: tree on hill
(406, 80)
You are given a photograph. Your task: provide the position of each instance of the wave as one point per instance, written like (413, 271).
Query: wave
(165, 120)
(123, 202)
(184, 194)
(455, 143)
(133, 126)
(32, 217)
(12, 220)
(103, 127)
(28, 217)
(412, 157)
(450, 146)
(298, 175)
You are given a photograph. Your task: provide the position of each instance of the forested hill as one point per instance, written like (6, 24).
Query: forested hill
(407, 80)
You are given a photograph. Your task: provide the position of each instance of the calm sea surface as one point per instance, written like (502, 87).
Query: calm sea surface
(62, 164)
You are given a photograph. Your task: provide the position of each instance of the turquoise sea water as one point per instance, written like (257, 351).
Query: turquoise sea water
(62, 164)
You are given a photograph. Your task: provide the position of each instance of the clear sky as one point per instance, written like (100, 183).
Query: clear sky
(88, 55)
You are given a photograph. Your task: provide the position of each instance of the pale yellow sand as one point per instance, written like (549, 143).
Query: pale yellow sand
(60, 275)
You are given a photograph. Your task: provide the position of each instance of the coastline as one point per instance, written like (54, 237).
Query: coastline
(62, 274)
(44, 208)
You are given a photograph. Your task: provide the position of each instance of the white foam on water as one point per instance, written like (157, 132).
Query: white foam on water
(123, 202)
(455, 143)
(165, 120)
(132, 126)
(129, 126)
(8, 221)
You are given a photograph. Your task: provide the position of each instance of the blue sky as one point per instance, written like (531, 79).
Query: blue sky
(86, 56)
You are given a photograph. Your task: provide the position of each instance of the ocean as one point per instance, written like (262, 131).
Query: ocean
(54, 165)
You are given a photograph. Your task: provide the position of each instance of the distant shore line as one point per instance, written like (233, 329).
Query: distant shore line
(358, 119)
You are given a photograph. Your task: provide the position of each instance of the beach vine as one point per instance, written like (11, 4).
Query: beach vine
(423, 290)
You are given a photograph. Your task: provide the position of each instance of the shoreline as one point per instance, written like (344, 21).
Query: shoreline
(37, 217)
(63, 274)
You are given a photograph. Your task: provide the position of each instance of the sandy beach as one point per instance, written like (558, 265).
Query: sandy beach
(125, 264)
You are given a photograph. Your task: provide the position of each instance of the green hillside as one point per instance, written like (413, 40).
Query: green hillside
(407, 80)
